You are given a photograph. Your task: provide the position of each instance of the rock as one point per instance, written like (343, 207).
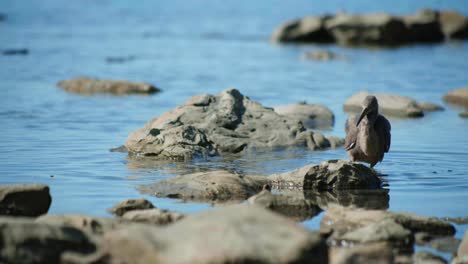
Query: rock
(231, 234)
(369, 253)
(424, 26)
(129, 205)
(308, 29)
(322, 55)
(457, 97)
(463, 114)
(430, 107)
(417, 223)
(463, 220)
(462, 252)
(25, 241)
(24, 200)
(445, 244)
(291, 204)
(118, 60)
(328, 175)
(454, 25)
(208, 186)
(311, 115)
(423, 257)
(11, 52)
(88, 86)
(153, 216)
(87, 224)
(391, 105)
(367, 199)
(228, 123)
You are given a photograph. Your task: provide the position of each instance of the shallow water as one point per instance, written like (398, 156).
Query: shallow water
(205, 46)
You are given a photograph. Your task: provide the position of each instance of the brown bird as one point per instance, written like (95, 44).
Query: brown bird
(368, 137)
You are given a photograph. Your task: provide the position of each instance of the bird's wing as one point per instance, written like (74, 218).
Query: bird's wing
(351, 132)
(383, 127)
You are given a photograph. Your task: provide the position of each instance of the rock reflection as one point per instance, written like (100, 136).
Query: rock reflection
(368, 199)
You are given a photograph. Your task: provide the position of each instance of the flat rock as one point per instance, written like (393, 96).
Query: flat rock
(208, 186)
(457, 97)
(129, 205)
(25, 241)
(328, 175)
(89, 86)
(231, 234)
(311, 115)
(391, 105)
(369, 253)
(24, 200)
(153, 216)
(228, 123)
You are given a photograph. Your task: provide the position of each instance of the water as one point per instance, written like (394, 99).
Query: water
(205, 46)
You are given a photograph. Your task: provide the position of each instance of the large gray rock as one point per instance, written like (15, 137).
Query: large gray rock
(227, 123)
(26, 241)
(232, 234)
(328, 175)
(24, 200)
(311, 115)
(130, 205)
(208, 186)
(391, 105)
(88, 86)
(457, 97)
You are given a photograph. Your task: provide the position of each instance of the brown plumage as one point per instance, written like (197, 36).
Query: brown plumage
(368, 136)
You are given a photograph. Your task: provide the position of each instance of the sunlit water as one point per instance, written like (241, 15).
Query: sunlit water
(193, 47)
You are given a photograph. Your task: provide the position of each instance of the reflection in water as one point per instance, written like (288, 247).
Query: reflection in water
(368, 199)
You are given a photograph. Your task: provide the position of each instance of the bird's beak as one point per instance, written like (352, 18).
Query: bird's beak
(363, 114)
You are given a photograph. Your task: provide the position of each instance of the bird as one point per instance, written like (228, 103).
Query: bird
(368, 135)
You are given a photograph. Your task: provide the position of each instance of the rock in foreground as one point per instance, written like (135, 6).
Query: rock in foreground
(378, 29)
(130, 205)
(88, 86)
(311, 115)
(391, 105)
(228, 123)
(328, 175)
(24, 200)
(457, 97)
(208, 186)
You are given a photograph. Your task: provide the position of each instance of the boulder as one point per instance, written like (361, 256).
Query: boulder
(454, 25)
(153, 216)
(130, 205)
(391, 105)
(25, 241)
(311, 115)
(308, 29)
(322, 55)
(208, 186)
(457, 97)
(228, 123)
(231, 234)
(24, 200)
(328, 175)
(88, 86)
(369, 253)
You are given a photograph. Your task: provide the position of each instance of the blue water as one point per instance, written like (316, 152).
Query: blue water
(204, 46)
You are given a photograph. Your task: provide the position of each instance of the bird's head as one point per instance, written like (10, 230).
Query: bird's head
(370, 106)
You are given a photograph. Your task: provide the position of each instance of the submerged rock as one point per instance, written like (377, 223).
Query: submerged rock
(208, 186)
(322, 55)
(25, 241)
(130, 205)
(391, 105)
(24, 200)
(328, 175)
(228, 123)
(377, 29)
(457, 97)
(311, 115)
(12, 52)
(88, 86)
(153, 216)
(232, 234)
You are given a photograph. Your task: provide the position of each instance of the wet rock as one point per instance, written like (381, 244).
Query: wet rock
(87, 224)
(369, 253)
(457, 97)
(391, 105)
(322, 55)
(311, 115)
(423, 257)
(208, 186)
(367, 199)
(424, 26)
(291, 204)
(232, 234)
(153, 216)
(308, 29)
(26, 241)
(88, 86)
(328, 175)
(12, 52)
(130, 205)
(228, 123)
(454, 25)
(24, 200)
